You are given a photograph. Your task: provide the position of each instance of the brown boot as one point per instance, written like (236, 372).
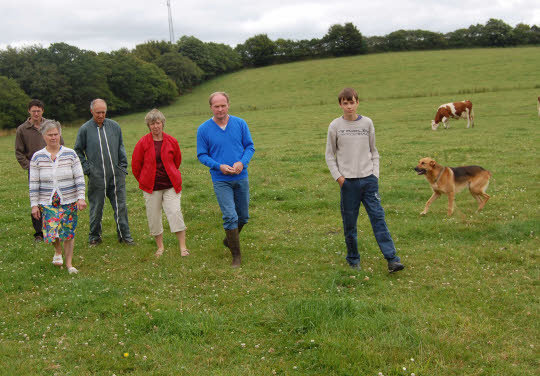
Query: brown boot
(240, 227)
(234, 245)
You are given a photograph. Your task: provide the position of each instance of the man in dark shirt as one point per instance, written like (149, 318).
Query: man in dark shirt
(28, 140)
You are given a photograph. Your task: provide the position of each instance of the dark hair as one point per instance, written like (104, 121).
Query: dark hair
(37, 103)
(347, 94)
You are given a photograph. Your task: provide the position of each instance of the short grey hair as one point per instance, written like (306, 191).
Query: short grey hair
(218, 93)
(153, 116)
(94, 102)
(48, 125)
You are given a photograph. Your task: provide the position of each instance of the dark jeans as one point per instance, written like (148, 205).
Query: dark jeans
(364, 191)
(37, 223)
(38, 226)
(233, 200)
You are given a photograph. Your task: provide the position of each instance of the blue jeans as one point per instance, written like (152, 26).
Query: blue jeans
(233, 199)
(364, 191)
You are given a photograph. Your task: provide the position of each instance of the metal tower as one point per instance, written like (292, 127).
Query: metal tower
(171, 29)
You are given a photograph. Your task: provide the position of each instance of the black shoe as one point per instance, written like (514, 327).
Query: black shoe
(38, 239)
(395, 266)
(95, 243)
(127, 241)
(355, 266)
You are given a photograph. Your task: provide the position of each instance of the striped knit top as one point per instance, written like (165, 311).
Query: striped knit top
(64, 175)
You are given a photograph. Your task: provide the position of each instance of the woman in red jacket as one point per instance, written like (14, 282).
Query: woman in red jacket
(155, 164)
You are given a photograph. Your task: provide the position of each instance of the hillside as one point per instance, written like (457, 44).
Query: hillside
(464, 305)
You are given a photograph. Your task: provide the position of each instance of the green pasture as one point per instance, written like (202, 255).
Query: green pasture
(466, 304)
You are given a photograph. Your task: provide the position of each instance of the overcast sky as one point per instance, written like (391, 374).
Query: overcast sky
(106, 25)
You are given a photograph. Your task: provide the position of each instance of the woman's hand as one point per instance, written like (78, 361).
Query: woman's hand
(81, 204)
(36, 213)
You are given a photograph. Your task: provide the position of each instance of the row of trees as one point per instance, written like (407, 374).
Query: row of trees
(495, 33)
(67, 78)
(343, 40)
(154, 73)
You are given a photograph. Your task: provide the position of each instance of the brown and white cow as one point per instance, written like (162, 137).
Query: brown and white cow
(456, 110)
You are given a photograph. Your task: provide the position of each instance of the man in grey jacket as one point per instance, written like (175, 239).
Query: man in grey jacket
(100, 148)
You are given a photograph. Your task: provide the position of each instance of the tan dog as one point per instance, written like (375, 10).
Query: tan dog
(451, 180)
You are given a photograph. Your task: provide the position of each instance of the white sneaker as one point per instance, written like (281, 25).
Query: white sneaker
(72, 270)
(57, 260)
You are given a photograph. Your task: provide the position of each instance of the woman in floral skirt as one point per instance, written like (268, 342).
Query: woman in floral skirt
(57, 192)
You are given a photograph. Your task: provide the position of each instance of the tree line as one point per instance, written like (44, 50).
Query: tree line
(154, 73)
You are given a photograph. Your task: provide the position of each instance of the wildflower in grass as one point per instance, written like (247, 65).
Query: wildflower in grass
(126, 355)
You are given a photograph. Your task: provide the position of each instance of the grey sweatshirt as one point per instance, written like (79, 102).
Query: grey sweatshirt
(350, 148)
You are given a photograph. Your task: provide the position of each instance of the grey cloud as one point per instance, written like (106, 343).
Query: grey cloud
(103, 25)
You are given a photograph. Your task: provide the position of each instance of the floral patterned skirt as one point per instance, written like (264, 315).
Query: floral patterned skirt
(59, 221)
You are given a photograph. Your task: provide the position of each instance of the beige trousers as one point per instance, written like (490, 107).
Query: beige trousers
(169, 200)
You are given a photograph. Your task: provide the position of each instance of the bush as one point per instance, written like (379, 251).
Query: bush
(13, 103)
(135, 83)
(184, 72)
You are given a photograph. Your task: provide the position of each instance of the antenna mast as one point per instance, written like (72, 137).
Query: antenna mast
(171, 29)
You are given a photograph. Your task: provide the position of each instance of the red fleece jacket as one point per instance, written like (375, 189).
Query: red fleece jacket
(143, 162)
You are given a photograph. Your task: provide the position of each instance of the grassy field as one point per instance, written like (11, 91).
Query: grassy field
(466, 304)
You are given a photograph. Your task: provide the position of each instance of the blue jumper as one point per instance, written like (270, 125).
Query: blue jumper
(216, 146)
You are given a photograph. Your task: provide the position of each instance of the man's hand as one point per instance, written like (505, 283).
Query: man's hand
(238, 167)
(340, 181)
(227, 170)
(35, 212)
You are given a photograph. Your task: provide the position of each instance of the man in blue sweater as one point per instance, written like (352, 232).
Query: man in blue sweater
(224, 145)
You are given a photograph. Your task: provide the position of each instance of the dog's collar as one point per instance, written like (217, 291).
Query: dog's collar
(440, 174)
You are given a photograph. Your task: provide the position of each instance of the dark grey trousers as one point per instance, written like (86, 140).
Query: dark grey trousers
(115, 191)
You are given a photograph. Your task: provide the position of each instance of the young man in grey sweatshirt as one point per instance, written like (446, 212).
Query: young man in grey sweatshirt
(353, 160)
